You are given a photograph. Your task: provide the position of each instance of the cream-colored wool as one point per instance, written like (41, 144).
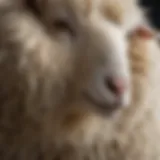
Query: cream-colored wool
(51, 52)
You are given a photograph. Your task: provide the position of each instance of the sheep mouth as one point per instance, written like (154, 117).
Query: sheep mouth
(102, 107)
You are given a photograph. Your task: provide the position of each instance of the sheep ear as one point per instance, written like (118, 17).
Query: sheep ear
(143, 32)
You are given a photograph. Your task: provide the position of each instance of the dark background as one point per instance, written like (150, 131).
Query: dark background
(154, 14)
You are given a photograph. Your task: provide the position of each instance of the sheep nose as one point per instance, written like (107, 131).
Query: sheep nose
(116, 85)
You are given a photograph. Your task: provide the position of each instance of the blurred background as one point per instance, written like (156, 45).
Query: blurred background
(154, 14)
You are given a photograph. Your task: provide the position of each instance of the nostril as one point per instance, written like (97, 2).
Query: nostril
(116, 86)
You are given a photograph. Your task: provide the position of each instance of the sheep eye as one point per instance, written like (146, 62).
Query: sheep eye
(63, 26)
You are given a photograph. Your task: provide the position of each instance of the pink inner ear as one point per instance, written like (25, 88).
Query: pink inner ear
(144, 32)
